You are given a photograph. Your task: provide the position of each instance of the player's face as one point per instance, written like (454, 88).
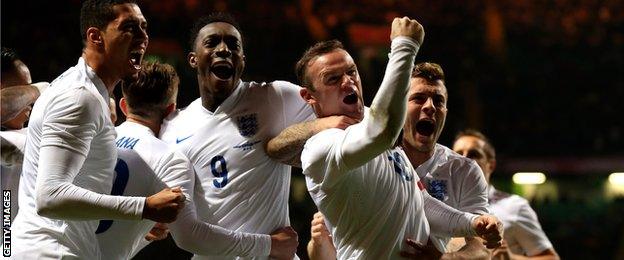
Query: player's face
(474, 148)
(218, 58)
(338, 89)
(125, 40)
(426, 114)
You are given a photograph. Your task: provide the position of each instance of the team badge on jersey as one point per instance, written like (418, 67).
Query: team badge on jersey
(247, 125)
(437, 189)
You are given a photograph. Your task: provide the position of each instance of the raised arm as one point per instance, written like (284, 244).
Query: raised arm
(384, 119)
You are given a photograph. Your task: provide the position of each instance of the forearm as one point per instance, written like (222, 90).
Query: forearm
(385, 118)
(15, 99)
(447, 221)
(59, 198)
(191, 234)
(473, 249)
(287, 146)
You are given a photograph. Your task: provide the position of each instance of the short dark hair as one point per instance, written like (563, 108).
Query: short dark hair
(489, 150)
(212, 18)
(98, 13)
(153, 90)
(9, 56)
(311, 53)
(429, 71)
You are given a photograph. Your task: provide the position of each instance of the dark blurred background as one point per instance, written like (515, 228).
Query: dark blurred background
(543, 79)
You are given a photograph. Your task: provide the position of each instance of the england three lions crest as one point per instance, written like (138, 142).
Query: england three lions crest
(438, 189)
(247, 125)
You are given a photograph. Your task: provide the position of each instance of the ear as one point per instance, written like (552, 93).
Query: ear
(306, 94)
(192, 59)
(492, 165)
(94, 35)
(170, 108)
(124, 106)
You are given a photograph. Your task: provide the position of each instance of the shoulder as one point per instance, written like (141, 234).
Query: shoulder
(276, 87)
(454, 158)
(498, 195)
(320, 145)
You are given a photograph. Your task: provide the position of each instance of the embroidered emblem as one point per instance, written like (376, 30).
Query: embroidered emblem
(437, 189)
(247, 125)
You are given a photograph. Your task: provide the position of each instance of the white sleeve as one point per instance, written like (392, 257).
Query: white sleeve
(68, 129)
(446, 221)
(529, 233)
(384, 120)
(295, 109)
(320, 160)
(193, 235)
(473, 189)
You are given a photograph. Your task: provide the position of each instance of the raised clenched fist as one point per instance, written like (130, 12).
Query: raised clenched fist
(407, 27)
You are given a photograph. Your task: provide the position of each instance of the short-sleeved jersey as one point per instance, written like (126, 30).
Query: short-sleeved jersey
(239, 186)
(455, 180)
(370, 210)
(523, 232)
(72, 114)
(11, 169)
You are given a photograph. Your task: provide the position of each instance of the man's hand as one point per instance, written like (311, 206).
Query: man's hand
(284, 242)
(158, 232)
(164, 206)
(428, 251)
(407, 27)
(490, 229)
(502, 253)
(319, 231)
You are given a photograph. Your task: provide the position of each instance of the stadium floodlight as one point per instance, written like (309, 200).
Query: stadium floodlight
(529, 178)
(617, 178)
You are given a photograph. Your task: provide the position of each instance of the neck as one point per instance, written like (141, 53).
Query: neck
(415, 156)
(152, 124)
(211, 100)
(96, 61)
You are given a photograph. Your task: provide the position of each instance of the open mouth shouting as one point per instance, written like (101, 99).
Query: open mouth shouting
(222, 70)
(425, 127)
(350, 99)
(136, 57)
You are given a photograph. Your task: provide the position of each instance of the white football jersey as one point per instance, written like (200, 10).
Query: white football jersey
(70, 117)
(523, 232)
(240, 187)
(455, 180)
(118, 239)
(145, 166)
(12, 168)
(370, 210)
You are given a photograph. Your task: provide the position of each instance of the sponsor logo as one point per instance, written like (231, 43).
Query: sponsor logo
(179, 140)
